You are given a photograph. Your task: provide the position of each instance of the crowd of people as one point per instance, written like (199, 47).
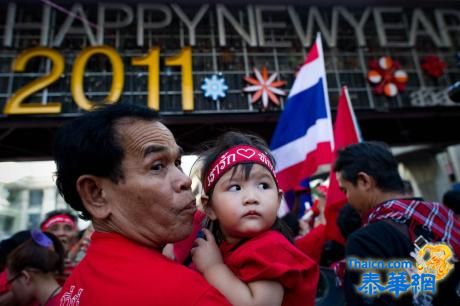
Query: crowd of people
(155, 242)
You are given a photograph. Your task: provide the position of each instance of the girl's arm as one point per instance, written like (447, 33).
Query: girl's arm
(208, 261)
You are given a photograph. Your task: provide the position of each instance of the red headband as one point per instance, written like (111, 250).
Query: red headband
(241, 154)
(57, 219)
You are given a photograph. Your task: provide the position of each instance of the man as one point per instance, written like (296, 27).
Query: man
(120, 168)
(368, 175)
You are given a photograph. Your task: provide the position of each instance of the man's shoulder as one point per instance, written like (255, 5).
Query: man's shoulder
(379, 238)
(372, 231)
(156, 280)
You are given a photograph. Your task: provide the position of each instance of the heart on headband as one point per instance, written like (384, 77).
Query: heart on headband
(247, 153)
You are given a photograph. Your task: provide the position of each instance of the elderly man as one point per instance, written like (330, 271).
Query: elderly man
(120, 168)
(368, 175)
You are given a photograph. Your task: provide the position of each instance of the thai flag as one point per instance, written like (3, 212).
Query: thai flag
(303, 139)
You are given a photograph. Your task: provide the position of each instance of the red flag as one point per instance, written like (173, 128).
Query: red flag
(346, 132)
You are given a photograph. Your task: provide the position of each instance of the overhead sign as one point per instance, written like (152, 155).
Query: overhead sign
(250, 23)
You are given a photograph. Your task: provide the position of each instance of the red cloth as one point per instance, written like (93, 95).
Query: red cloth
(270, 256)
(312, 243)
(117, 271)
(182, 248)
(346, 132)
(54, 301)
(434, 217)
(3, 280)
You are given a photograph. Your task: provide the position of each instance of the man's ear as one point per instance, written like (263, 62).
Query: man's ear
(90, 188)
(207, 207)
(365, 180)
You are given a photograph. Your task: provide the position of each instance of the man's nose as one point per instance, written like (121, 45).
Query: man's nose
(182, 181)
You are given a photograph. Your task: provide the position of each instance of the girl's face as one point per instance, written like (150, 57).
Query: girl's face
(20, 286)
(245, 207)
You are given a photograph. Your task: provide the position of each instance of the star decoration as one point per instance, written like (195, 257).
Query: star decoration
(265, 87)
(214, 87)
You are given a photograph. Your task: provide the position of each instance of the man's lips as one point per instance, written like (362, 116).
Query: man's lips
(191, 206)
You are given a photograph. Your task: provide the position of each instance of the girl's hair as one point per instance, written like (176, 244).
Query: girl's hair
(32, 255)
(214, 149)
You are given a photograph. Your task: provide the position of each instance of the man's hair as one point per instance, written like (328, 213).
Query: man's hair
(91, 145)
(375, 160)
(57, 212)
(348, 220)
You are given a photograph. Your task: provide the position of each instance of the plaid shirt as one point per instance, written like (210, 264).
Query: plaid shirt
(434, 217)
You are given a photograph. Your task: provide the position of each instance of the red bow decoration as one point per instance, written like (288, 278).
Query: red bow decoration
(386, 76)
(433, 66)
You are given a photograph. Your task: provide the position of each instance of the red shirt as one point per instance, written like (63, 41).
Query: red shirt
(270, 256)
(117, 271)
(311, 244)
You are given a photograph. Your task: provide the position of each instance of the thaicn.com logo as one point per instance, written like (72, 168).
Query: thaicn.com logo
(431, 263)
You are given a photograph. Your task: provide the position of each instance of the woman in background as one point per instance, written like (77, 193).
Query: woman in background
(32, 268)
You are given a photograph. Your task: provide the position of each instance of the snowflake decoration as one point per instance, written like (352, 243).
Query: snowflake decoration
(265, 87)
(214, 87)
(386, 76)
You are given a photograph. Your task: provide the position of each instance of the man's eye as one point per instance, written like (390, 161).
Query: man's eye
(178, 163)
(157, 167)
(234, 188)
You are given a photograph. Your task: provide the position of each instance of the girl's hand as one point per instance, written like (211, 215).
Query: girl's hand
(206, 254)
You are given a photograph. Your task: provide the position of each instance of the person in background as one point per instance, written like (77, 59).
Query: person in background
(119, 167)
(348, 221)
(32, 268)
(6, 247)
(452, 200)
(63, 224)
(248, 256)
(313, 228)
(368, 175)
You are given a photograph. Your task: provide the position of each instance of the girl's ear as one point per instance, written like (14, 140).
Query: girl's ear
(27, 276)
(207, 207)
(280, 197)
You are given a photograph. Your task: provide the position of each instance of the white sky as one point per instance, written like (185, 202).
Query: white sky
(13, 171)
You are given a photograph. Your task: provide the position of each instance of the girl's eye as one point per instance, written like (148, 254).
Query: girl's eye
(263, 186)
(234, 188)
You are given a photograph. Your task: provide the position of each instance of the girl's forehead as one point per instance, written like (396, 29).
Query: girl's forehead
(246, 171)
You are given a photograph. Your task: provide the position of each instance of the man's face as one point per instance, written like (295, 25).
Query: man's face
(356, 194)
(153, 203)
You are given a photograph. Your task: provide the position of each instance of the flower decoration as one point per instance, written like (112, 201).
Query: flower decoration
(265, 87)
(433, 66)
(386, 76)
(214, 87)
